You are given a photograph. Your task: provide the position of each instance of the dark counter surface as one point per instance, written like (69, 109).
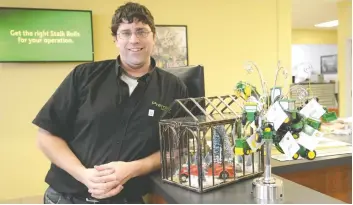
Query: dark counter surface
(237, 193)
(240, 192)
(303, 165)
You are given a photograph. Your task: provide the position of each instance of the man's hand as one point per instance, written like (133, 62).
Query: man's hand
(98, 181)
(120, 171)
(124, 171)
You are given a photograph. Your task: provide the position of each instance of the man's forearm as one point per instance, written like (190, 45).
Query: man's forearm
(59, 153)
(147, 165)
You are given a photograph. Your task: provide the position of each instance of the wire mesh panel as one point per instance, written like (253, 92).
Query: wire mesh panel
(198, 139)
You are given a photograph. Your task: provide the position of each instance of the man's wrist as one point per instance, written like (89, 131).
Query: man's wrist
(77, 171)
(137, 167)
(146, 165)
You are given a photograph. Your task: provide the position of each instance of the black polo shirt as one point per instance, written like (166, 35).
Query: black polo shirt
(93, 112)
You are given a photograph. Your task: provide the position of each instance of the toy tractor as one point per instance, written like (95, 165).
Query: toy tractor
(241, 147)
(294, 123)
(250, 113)
(313, 123)
(328, 116)
(245, 90)
(295, 156)
(268, 132)
(305, 153)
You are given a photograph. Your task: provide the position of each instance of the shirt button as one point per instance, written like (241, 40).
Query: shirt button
(118, 142)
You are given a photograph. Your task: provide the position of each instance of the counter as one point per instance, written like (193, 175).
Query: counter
(238, 193)
(331, 175)
(326, 180)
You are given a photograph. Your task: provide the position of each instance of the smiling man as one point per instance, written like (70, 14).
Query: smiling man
(100, 127)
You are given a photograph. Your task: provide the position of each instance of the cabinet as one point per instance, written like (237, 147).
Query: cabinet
(324, 91)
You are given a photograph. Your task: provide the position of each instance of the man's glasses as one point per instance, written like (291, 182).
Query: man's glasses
(126, 35)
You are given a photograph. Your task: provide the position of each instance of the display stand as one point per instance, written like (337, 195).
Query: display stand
(267, 188)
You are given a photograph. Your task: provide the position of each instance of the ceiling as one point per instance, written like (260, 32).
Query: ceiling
(307, 13)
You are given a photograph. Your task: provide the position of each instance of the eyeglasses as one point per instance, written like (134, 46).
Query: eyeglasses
(126, 35)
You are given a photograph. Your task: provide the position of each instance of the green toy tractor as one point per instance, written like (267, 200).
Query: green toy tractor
(313, 123)
(305, 153)
(268, 131)
(294, 123)
(328, 116)
(245, 90)
(250, 113)
(295, 156)
(242, 147)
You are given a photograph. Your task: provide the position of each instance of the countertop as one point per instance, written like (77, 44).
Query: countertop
(320, 162)
(237, 193)
(240, 192)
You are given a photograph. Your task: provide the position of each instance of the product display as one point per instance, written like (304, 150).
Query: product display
(231, 139)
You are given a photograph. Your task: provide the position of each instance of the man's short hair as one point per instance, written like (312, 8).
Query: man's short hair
(129, 12)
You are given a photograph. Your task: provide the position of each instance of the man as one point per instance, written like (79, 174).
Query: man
(100, 127)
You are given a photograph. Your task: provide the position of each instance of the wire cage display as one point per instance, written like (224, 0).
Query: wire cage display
(200, 140)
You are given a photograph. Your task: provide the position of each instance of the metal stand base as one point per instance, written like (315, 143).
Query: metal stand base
(267, 190)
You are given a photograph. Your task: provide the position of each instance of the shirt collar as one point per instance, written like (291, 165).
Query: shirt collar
(119, 70)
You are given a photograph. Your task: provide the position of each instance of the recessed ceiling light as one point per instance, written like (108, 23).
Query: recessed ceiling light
(328, 24)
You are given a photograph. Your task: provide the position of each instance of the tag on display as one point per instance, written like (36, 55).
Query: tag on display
(289, 145)
(307, 141)
(276, 115)
(313, 109)
(318, 134)
(253, 144)
(308, 130)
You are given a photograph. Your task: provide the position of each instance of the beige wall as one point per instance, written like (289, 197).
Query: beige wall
(222, 35)
(314, 36)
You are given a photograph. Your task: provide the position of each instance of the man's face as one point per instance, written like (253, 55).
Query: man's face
(135, 42)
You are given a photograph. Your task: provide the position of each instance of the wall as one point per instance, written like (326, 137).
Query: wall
(236, 31)
(311, 53)
(314, 36)
(316, 42)
(344, 32)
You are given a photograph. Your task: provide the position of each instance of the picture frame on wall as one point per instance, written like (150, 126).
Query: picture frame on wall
(171, 48)
(328, 64)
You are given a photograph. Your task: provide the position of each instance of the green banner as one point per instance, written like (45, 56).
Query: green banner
(33, 35)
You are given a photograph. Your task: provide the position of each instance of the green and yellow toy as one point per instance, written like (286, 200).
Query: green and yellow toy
(328, 116)
(245, 90)
(250, 113)
(242, 147)
(305, 153)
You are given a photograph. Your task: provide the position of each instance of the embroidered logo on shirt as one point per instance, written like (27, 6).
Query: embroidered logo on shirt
(160, 106)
